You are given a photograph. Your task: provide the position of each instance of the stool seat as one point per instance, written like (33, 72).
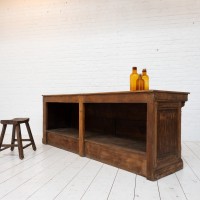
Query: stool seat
(17, 131)
(15, 121)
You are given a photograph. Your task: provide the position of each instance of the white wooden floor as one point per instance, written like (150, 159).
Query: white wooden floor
(52, 173)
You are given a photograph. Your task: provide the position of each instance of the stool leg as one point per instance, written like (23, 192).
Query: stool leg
(19, 140)
(30, 136)
(13, 138)
(2, 134)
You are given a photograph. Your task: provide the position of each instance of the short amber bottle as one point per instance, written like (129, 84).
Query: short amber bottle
(145, 77)
(133, 79)
(140, 83)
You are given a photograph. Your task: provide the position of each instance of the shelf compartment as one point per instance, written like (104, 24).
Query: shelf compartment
(64, 138)
(117, 142)
(62, 115)
(117, 119)
(123, 153)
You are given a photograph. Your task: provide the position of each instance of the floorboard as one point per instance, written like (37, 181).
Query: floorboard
(124, 181)
(146, 189)
(59, 182)
(37, 182)
(189, 182)
(192, 160)
(77, 188)
(170, 188)
(100, 187)
(51, 173)
(37, 167)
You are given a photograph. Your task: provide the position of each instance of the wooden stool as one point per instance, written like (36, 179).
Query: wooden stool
(17, 130)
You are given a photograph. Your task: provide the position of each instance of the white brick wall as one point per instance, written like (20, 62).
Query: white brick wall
(70, 46)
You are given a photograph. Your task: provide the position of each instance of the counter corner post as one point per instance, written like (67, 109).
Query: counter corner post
(81, 127)
(151, 145)
(45, 122)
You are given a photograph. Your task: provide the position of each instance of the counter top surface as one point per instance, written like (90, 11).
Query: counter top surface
(119, 92)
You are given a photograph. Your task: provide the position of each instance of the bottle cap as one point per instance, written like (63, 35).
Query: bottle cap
(144, 70)
(134, 68)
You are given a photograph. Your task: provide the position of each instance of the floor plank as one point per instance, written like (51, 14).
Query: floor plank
(26, 165)
(10, 157)
(170, 188)
(100, 187)
(189, 182)
(77, 188)
(194, 148)
(191, 159)
(52, 173)
(20, 178)
(124, 181)
(35, 183)
(146, 189)
(56, 185)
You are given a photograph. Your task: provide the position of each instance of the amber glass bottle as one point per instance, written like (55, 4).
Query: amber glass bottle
(133, 79)
(145, 77)
(140, 83)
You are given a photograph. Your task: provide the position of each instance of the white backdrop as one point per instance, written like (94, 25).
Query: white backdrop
(70, 46)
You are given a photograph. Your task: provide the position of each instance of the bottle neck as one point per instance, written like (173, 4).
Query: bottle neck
(134, 71)
(144, 73)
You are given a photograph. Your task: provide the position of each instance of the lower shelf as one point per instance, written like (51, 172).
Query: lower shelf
(124, 153)
(67, 132)
(118, 143)
(118, 152)
(64, 138)
(137, 146)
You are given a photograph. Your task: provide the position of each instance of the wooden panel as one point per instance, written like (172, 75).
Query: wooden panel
(168, 168)
(122, 158)
(62, 98)
(151, 141)
(133, 129)
(119, 143)
(171, 96)
(167, 133)
(63, 142)
(67, 132)
(119, 98)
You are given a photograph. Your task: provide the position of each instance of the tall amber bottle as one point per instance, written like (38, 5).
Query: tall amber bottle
(140, 83)
(133, 79)
(145, 77)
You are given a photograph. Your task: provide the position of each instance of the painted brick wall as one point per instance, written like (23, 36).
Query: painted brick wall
(70, 46)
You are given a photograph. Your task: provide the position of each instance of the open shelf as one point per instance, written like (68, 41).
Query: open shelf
(118, 142)
(62, 115)
(120, 152)
(117, 134)
(63, 126)
(117, 125)
(66, 132)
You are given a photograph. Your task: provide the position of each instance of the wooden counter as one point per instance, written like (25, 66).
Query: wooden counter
(136, 131)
